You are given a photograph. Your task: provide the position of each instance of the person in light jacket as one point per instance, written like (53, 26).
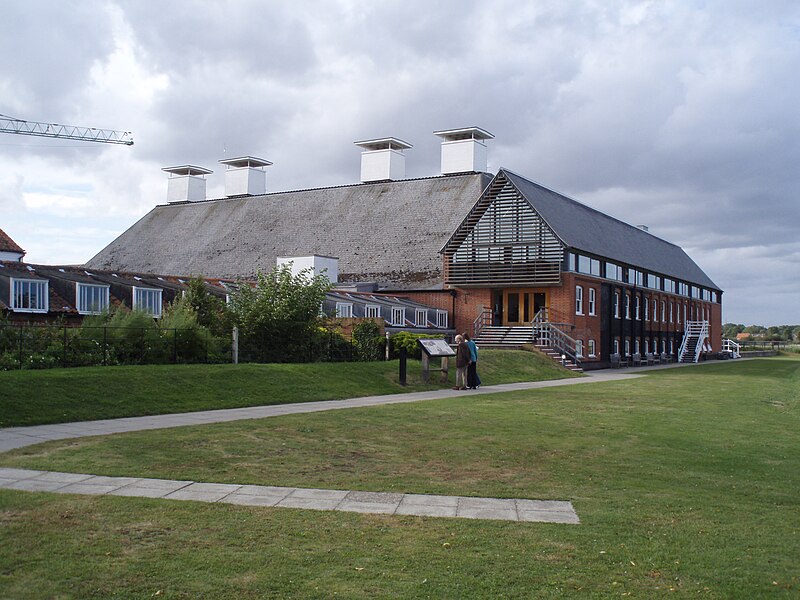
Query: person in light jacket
(462, 362)
(473, 381)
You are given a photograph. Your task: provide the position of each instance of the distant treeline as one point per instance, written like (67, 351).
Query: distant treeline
(778, 333)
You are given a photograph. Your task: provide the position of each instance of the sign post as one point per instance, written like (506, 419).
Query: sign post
(435, 348)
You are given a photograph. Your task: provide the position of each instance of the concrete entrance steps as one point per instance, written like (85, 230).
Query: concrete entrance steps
(504, 336)
(388, 503)
(556, 356)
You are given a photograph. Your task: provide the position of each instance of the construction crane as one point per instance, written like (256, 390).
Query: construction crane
(66, 132)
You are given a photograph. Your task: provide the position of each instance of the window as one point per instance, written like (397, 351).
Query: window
(627, 306)
(647, 346)
(372, 311)
(578, 300)
(635, 277)
(646, 309)
(638, 312)
(669, 285)
(398, 316)
(592, 301)
(663, 346)
(579, 348)
(663, 312)
(627, 347)
(592, 349)
(683, 289)
(655, 310)
(684, 312)
(421, 317)
(147, 300)
(571, 260)
(441, 319)
(92, 299)
(672, 346)
(616, 305)
(653, 281)
(616, 345)
(636, 346)
(29, 295)
(613, 272)
(344, 310)
(671, 307)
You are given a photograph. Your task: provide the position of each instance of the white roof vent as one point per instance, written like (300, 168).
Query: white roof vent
(327, 266)
(464, 150)
(187, 183)
(383, 159)
(245, 176)
(644, 228)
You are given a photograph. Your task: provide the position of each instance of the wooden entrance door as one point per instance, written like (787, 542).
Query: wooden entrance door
(520, 305)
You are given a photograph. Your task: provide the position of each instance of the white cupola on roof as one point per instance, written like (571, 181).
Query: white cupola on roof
(464, 150)
(187, 183)
(383, 159)
(245, 176)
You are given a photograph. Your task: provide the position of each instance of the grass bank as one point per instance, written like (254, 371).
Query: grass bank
(82, 394)
(685, 481)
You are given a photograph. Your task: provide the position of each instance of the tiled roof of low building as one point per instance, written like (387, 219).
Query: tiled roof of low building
(9, 245)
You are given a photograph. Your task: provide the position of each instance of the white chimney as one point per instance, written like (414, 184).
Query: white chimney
(327, 266)
(464, 150)
(383, 159)
(245, 176)
(187, 183)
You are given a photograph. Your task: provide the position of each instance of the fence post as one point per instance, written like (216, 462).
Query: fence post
(235, 345)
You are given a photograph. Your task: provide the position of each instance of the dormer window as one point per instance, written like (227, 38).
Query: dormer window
(147, 300)
(421, 317)
(92, 299)
(398, 316)
(344, 310)
(29, 295)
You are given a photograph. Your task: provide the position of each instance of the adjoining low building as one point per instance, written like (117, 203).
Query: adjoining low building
(9, 249)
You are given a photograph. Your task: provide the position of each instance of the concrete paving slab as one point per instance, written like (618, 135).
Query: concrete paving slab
(496, 514)
(423, 510)
(118, 481)
(33, 485)
(196, 496)
(140, 492)
(548, 505)
(264, 490)
(317, 494)
(374, 497)
(163, 484)
(62, 477)
(546, 516)
(84, 488)
(292, 501)
(251, 500)
(18, 473)
(4, 481)
(368, 507)
(429, 500)
(486, 503)
(212, 488)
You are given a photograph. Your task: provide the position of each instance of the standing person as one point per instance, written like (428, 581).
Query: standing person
(462, 362)
(473, 381)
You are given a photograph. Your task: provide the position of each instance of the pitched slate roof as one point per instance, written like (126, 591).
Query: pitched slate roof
(388, 232)
(584, 228)
(9, 245)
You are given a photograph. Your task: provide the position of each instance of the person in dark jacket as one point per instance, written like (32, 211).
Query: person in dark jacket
(473, 381)
(462, 362)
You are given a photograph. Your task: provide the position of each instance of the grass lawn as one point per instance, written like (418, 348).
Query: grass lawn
(82, 394)
(686, 482)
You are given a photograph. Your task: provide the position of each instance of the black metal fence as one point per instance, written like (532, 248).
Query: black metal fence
(43, 346)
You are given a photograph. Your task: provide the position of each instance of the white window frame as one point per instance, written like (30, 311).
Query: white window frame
(421, 314)
(372, 311)
(646, 347)
(42, 295)
(627, 347)
(616, 345)
(578, 300)
(616, 306)
(579, 348)
(592, 301)
(671, 305)
(646, 309)
(592, 349)
(663, 311)
(638, 308)
(636, 346)
(628, 307)
(344, 310)
(655, 310)
(441, 319)
(104, 300)
(398, 316)
(156, 312)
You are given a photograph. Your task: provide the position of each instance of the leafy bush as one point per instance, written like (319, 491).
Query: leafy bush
(368, 343)
(407, 340)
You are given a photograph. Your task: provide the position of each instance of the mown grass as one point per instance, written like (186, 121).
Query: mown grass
(82, 394)
(685, 481)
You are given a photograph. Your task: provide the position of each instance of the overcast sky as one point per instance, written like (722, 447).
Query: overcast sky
(679, 115)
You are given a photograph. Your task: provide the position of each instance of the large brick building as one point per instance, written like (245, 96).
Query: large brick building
(497, 250)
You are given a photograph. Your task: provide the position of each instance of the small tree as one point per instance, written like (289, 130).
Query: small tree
(209, 309)
(368, 341)
(278, 318)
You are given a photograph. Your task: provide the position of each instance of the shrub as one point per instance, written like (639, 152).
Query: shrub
(368, 343)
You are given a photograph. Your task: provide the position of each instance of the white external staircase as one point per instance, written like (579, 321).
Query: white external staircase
(695, 338)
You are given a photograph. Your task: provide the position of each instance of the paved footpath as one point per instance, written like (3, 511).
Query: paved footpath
(507, 509)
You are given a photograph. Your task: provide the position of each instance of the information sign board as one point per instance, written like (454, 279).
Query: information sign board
(436, 347)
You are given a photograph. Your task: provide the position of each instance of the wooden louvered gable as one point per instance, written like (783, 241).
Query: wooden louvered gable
(503, 242)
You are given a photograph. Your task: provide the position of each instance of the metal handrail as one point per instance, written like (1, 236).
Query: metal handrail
(694, 329)
(552, 336)
(483, 319)
(732, 348)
